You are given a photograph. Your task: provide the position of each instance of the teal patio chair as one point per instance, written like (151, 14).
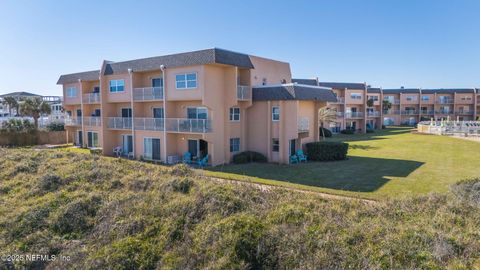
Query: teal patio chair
(301, 156)
(187, 158)
(203, 162)
(293, 159)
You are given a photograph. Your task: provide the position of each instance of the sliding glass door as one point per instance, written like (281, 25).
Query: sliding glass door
(151, 148)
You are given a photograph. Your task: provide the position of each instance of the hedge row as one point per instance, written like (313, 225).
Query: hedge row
(248, 156)
(324, 151)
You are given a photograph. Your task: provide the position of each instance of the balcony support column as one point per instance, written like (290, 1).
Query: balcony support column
(164, 90)
(130, 72)
(82, 112)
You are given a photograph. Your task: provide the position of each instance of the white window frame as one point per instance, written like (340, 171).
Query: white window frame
(116, 86)
(94, 145)
(234, 115)
(273, 144)
(234, 145)
(275, 114)
(411, 98)
(356, 96)
(425, 98)
(71, 90)
(186, 80)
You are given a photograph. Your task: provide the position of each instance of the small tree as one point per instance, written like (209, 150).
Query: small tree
(34, 107)
(325, 115)
(370, 103)
(11, 102)
(17, 125)
(386, 105)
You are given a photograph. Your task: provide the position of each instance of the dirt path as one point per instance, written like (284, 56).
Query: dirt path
(268, 188)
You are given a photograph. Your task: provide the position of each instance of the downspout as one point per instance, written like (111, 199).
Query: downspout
(82, 112)
(130, 71)
(164, 88)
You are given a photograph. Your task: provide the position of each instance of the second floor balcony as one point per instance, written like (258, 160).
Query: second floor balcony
(94, 121)
(444, 112)
(391, 112)
(427, 112)
(148, 94)
(154, 124)
(244, 92)
(409, 112)
(188, 125)
(303, 124)
(445, 101)
(354, 114)
(373, 113)
(73, 121)
(119, 122)
(91, 98)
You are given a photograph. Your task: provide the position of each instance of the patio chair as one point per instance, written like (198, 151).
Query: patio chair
(187, 158)
(301, 156)
(293, 159)
(118, 151)
(203, 162)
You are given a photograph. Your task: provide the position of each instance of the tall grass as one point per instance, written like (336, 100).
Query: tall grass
(118, 214)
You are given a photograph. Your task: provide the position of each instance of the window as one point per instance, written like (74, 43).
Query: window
(234, 145)
(425, 98)
(411, 98)
(197, 113)
(71, 92)
(96, 89)
(186, 81)
(235, 114)
(355, 96)
(275, 113)
(158, 113)
(374, 98)
(117, 86)
(92, 139)
(275, 145)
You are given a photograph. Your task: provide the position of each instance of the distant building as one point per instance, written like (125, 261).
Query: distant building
(5, 110)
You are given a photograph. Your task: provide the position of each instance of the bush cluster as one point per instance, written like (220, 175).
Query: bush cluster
(248, 156)
(347, 131)
(326, 151)
(325, 133)
(55, 127)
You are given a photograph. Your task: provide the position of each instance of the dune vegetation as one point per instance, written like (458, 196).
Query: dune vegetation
(112, 213)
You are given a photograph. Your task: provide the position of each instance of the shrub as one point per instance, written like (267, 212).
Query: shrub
(182, 185)
(17, 125)
(50, 182)
(369, 130)
(248, 156)
(384, 127)
(325, 133)
(327, 150)
(55, 127)
(347, 131)
(76, 217)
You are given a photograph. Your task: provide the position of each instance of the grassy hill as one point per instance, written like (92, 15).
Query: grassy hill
(104, 212)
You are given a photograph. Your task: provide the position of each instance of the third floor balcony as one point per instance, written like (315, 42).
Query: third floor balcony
(354, 114)
(91, 98)
(244, 92)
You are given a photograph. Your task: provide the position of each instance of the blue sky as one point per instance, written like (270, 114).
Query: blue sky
(411, 43)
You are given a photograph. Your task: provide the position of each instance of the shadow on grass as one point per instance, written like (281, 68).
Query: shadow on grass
(378, 135)
(359, 174)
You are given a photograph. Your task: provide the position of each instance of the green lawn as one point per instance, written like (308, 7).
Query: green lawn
(388, 163)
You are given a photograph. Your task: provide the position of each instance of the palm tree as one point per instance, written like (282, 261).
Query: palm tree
(34, 107)
(325, 115)
(386, 105)
(11, 102)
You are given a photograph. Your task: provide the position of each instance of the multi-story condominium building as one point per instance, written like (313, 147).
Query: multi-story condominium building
(361, 107)
(211, 103)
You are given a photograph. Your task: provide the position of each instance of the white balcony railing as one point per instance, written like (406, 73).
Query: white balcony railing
(73, 121)
(119, 123)
(353, 114)
(389, 112)
(445, 101)
(155, 124)
(94, 121)
(91, 98)
(409, 112)
(373, 113)
(187, 125)
(303, 124)
(244, 92)
(339, 114)
(148, 93)
(340, 100)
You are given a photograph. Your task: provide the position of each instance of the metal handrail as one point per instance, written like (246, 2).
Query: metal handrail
(120, 122)
(244, 92)
(188, 125)
(148, 93)
(91, 98)
(155, 124)
(93, 121)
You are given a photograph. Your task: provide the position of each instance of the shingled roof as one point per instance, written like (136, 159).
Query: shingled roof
(19, 94)
(293, 91)
(312, 82)
(84, 76)
(374, 90)
(448, 91)
(342, 85)
(401, 90)
(203, 57)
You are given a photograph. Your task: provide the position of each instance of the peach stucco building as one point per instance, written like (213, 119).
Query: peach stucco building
(211, 102)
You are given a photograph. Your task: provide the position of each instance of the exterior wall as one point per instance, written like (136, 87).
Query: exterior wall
(275, 72)
(72, 100)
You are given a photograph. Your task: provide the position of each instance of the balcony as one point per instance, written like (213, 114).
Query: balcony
(445, 101)
(154, 124)
(187, 125)
(91, 98)
(244, 92)
(340, 100)
(73, 121)
(339, 114)
(119, 123)
(148, 93)
(373, 113)
(354, 114)
(443, 112)
(409, 112)
(396, 102)
(94, 121)
(426, 112)
(303, 124)
(464, 112)
(390, 112)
